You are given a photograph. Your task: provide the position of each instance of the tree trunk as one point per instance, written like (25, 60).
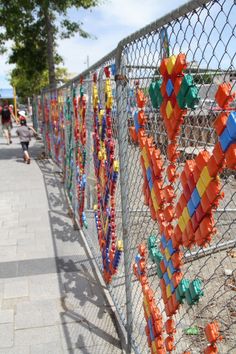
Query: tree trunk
(50, 43)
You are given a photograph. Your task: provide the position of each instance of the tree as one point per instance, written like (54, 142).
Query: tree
(204, 78)
(28, 86)
(35, 24)
(25, 87)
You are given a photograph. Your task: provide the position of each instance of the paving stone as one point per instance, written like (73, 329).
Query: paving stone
(72, 304)
(38, 335)
(10, 304)
(24, 241)
(1, 294)
(10, 216)
(26, 235)
(7, 253)
(101, 324)
(104, 349)
(32, 217)
(16, 350)
(6, 196)
(43, 234)
(28, 319)
(48, 348)
(40, 228)
(47, 313)
(16, 288)
(8, 269)
(27, 223)
(17, 230)
(43, 304)
(34, 209)
(18, 207)
(4, 203)
(6, 240)
(36, 266)
(69, 316)
(6, 335)
(5, 210)
(76, 335)
(33, 251)
(8, 224)
(6, 316)
(103, 337)
(44, 286)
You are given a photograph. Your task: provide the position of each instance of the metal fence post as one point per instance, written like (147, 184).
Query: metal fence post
(74, 200)
(89, 138)
(122, 122)
(35, 112)
(44, 125)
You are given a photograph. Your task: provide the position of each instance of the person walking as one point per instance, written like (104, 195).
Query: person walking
(6, 122)
(25, 134)
(11, 107)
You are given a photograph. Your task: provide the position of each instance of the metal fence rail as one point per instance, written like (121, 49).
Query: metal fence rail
(205, 32)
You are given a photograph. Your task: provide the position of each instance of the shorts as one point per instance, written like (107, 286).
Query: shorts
(6, 126)
(25, 145)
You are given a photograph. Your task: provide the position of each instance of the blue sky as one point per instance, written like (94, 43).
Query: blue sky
(110, 22)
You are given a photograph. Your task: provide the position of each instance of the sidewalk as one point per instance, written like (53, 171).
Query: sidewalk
(50, 297)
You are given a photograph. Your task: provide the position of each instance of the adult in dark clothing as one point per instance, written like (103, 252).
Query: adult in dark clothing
(6, 122)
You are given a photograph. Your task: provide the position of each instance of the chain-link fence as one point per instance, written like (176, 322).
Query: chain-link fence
(204, 32)
(37, 117)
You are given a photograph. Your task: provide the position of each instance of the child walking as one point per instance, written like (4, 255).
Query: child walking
(25, 134)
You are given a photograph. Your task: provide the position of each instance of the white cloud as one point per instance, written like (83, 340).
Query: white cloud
(130, 13)
(75, 52)
(110, 23)
(136, 13)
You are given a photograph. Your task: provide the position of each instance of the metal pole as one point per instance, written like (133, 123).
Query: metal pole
(64, 93)
(89, 156)
(44, 124)
(29, 110)
(15, 102)
(75, 202)
(121, 97)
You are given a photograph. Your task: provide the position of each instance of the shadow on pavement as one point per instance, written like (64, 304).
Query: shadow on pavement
(14, 152)
(87, 319)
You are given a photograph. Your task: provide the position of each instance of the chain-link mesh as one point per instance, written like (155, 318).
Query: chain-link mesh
(205, 32)
(117, 288)
(206, 36)
(36, 113)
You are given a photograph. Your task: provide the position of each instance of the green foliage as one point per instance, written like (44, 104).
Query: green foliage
(70, 28)
(204, 78)
(32, 26)
(27, 86)
(22, 18)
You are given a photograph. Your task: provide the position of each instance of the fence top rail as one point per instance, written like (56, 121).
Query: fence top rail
(117, 52)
